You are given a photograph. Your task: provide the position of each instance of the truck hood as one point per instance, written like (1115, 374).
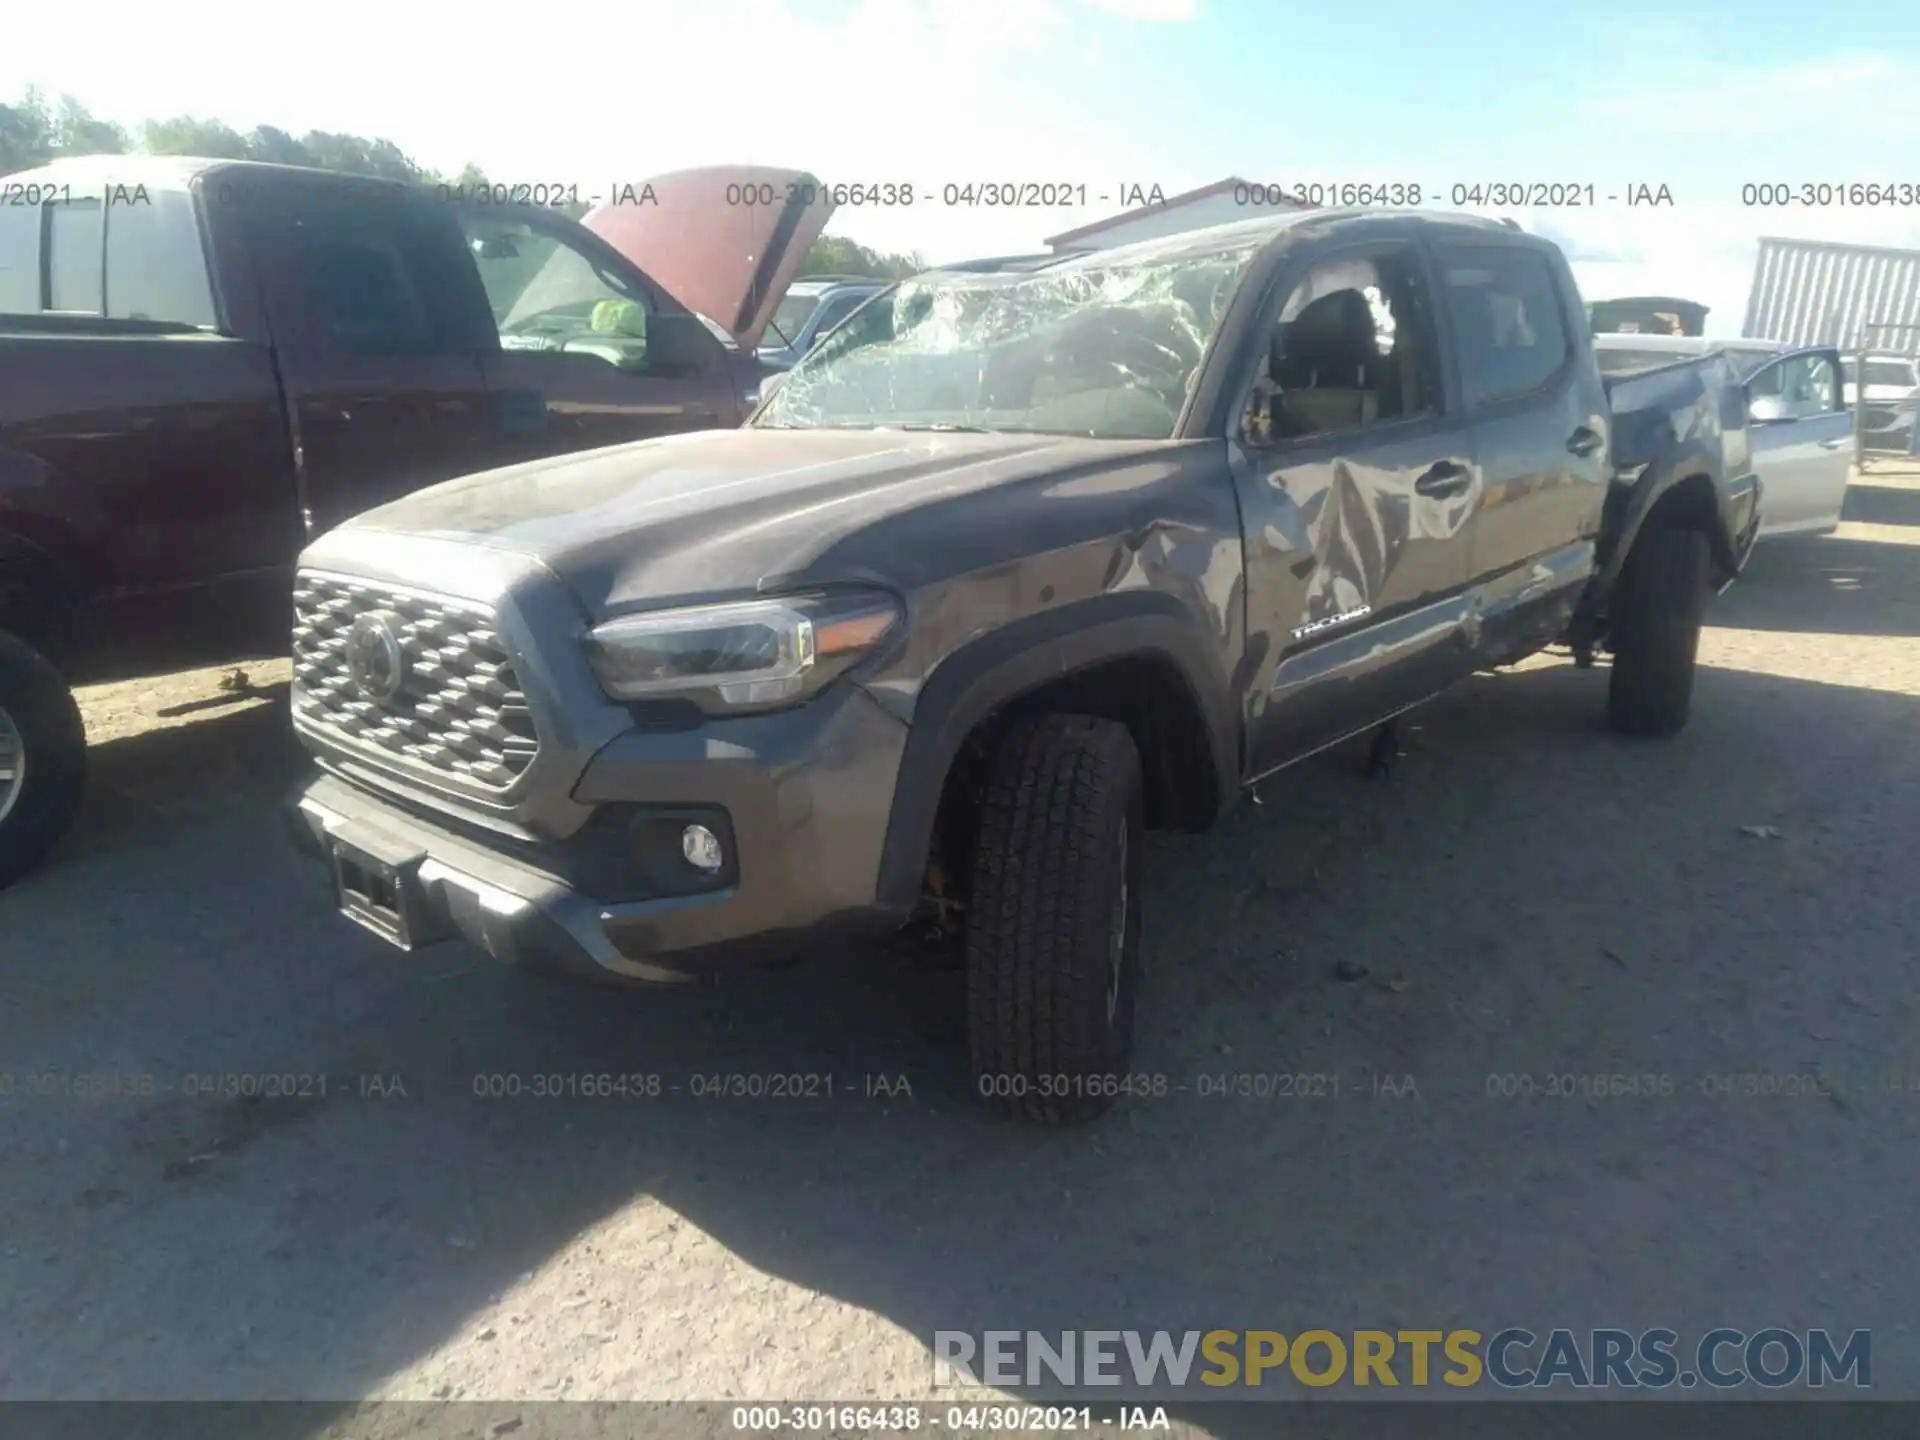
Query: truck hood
(702, 235)
(719, 513)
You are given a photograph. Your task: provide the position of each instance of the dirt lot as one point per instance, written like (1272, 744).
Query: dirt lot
(1527, 896)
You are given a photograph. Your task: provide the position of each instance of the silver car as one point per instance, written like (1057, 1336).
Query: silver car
(1802, 428)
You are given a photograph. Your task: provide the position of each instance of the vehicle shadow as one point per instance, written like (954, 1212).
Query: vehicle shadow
(1871, 503)
(1520, 896)
(1830, 584)
(231, 752)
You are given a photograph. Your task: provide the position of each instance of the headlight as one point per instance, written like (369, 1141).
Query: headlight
(757, 654)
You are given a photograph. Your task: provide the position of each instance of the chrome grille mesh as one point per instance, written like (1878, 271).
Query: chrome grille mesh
(459, 710)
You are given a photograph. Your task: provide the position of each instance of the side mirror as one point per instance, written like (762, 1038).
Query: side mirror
(496, 247)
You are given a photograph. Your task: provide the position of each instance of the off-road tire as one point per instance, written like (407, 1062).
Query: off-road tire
(1656, 634)
(1049, 1007)
(40, 707)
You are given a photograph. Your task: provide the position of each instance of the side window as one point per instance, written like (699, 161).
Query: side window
(1507, 315)
(370, 274)
(156, 269)
(549, 297)
(73, 253)
(1353, 345)
(1766, 383)
(1795, 389)
(1809, 386)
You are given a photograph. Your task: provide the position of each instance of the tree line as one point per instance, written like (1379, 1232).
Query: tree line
(35, 130)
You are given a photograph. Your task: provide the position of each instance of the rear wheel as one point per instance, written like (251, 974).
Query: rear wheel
(43, 751)
(1053, 920)
(1661, 602)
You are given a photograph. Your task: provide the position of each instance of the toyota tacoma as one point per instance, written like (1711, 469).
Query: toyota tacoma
(1012, 568)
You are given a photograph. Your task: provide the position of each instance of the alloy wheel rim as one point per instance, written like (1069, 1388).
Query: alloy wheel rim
(1117, 936)
(13, 764)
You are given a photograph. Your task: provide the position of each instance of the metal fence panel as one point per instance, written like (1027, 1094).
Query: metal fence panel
(1814, 292)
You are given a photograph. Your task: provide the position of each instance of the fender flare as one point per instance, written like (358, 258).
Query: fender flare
(1661, 479)
(989, 672)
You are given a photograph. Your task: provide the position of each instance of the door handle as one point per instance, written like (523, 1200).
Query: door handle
(1844, 440)
(1584, 442)
(1442, 481)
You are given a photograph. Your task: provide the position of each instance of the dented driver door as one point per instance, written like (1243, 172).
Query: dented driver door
(1357, 477)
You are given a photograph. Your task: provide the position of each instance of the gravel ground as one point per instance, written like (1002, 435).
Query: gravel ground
(1526, 896)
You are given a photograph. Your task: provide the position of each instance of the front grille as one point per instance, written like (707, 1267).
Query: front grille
(458, 709)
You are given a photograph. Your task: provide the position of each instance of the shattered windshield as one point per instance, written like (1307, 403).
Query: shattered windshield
(1104, 350)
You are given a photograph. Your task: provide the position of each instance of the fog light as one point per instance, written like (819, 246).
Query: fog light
(702, 848)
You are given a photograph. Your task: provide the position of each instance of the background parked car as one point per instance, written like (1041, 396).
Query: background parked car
(812, 307)
(1890, 378)
(1891, 391)
(1802, 430)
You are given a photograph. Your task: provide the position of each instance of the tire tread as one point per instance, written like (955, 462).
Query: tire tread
(35, 694)
(1059, 789)
(1663, 598)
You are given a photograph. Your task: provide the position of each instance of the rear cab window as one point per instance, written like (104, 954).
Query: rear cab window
(1509, 320)
(123, 252)
(156, 264)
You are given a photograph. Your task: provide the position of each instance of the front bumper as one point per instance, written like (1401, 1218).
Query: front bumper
(805, 798)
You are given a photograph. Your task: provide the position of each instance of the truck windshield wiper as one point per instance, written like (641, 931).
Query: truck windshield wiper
(945, 429)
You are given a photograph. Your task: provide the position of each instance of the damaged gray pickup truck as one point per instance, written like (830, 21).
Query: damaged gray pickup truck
(1011, 568)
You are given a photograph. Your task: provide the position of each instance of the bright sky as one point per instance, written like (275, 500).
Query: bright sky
(1097, 92)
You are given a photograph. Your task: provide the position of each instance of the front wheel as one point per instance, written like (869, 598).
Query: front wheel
(1053, 921)
(1661, 604)
(43, 751)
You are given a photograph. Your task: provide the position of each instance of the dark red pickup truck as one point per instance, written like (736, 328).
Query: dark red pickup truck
(205, 364)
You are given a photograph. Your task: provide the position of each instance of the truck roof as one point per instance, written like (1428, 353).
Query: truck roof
(1262, 228)
(161, 172)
